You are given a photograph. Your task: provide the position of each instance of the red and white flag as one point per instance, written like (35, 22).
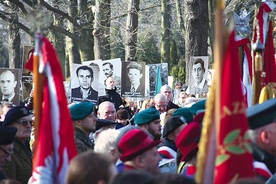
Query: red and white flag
(55, 145)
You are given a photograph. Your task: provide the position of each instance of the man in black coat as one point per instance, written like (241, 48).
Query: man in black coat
(167, 91)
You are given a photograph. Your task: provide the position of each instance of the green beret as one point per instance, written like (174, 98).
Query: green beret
(262, 114)
(146, 116)
(81, 110)
(185, 113)
(200, 105)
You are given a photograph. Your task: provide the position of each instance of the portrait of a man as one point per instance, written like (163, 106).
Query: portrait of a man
(108, 70)
(135, 81)
(198, 80)
(9, 86)
(85, 90)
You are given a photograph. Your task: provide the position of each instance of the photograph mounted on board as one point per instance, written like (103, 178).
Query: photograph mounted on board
(10, 85)
(133, 79)
(198, 78)
(83, 84)
(112, 68)
(27, 77)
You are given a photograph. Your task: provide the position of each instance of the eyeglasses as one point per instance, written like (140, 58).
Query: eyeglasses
(7, 152)
(24, 122)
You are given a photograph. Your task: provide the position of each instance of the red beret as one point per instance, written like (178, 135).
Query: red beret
(187, 140)
(134, 143)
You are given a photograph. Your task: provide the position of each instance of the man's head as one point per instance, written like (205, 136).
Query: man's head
(167, 91)
(182, 97)
(7, 83)
(134, 73)
(82, 169)
(85, 76)
(110, 83)
(20, 118)
(173, 127)
(149, 120)
(83, 116)
(108, 69)
(198, 70)
(107, 111)
(262, 124)
(140, 150)
(7, 135)
(160, 103)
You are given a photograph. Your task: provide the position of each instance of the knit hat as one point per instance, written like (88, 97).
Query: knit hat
(134, 143)
(81, 110)
(146, 116)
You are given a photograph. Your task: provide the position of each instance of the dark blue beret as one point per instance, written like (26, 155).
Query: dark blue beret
(262, 114)
(7, 135)
(15, 113)
(146, 116)
(81, 110)
(103, 123)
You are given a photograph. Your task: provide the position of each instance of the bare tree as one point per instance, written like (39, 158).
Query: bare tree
(196, 30)
(132, 30)
(101, 30)
(165, 31)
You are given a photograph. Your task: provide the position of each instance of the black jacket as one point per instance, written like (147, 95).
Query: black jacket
(112, 96)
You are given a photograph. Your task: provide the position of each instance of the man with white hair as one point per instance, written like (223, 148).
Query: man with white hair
(107, 111)
(167, 91)
(160, 103)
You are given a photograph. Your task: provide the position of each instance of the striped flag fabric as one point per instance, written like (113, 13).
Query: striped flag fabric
(55, 145)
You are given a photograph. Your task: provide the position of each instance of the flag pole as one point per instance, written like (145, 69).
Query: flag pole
(207, 145)
(38, 85)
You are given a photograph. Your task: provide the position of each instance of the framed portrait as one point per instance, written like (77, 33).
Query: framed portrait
(83, 85)
(10, 85)
(198, 75)
(111, 68)
(133, 79)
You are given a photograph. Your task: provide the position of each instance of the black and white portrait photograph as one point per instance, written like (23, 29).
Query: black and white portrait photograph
(198, 78)
(83, 84)
(10, 85)
(153, 74)
(133, 79)
(111, 68)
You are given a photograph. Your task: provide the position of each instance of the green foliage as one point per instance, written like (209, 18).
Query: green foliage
(178, 73)
(173, 54)
(147, 50)
(116, 44)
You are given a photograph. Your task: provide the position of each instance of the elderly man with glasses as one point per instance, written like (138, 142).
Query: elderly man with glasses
(20, 167)
(6, 147)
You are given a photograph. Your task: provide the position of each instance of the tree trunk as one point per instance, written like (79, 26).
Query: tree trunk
(165, 31)
(102, 30)
(196, 34)
(86, 42)
(71, 44)
(179, 16)
(14, 42)
(131, 30)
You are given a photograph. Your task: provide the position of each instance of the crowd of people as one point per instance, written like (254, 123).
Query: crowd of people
(121, 141)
